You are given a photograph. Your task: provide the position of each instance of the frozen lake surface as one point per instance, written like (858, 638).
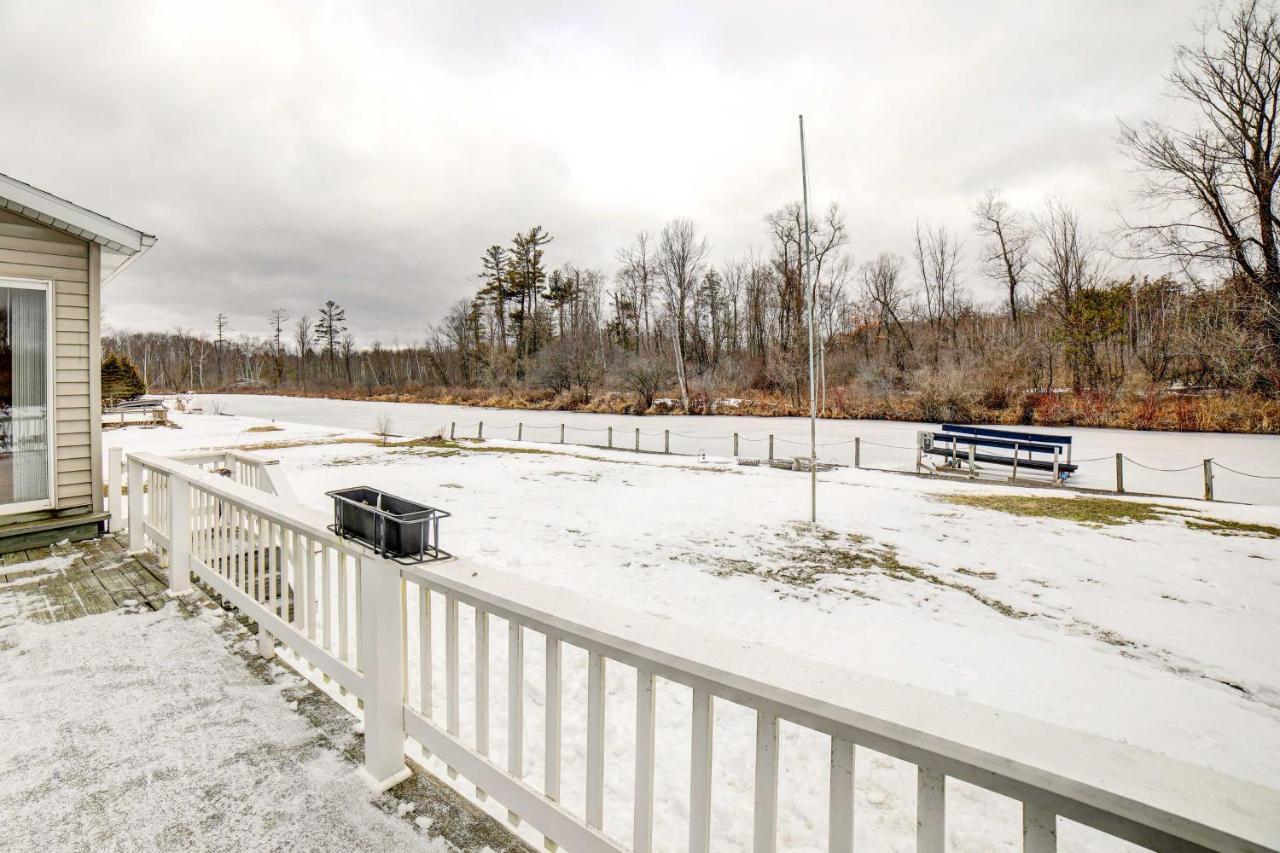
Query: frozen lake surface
(885, 444)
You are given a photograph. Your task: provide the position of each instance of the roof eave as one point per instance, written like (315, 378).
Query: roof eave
(55, 212)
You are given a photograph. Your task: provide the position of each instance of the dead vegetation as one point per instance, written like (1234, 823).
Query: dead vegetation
(1105, 512)
(811, 560)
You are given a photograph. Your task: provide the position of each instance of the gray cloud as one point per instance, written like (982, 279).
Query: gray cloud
(290, 153)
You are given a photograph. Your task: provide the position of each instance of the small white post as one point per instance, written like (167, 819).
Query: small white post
(380, 630)
(1039, 830)
(137, 485)
(266, 643)
(115, 456)
(179, 535)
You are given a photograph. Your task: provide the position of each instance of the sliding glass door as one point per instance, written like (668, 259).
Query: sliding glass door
(26, 422)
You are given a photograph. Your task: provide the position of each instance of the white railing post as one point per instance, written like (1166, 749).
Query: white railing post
(137, 485)
(115, 456)
(179, 535)
(383, 670)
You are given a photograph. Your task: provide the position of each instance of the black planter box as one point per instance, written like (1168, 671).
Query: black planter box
(396, 528)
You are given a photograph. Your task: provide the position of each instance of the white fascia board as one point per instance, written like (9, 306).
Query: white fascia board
(61, 214)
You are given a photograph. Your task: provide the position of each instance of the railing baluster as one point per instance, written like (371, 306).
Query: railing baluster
(595, 740)
(765, 832)
(482, 688)
(642, 823)
(840, 826)
(700, 773)
(453, 702)
(268, 564)
(326, 597)
(931, 792)
(1039, 830)
(343, 626)
(357, 570)
(311, 589)
(551, 787)
(424, 651)
(515, 707)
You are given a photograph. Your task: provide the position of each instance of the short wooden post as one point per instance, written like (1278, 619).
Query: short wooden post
(973, 469)
(1056, 481)
(1119, 473)
(382, 662)
(520, 431)
(857, 452)
(137, 490)
(735, 444)
(770, 447)
(637, 439)
(115, 456)
(480, 430)
(666, 441)
(266, 643)
(920, 438)
(179, 535)
(610, 438)
(1208, 479)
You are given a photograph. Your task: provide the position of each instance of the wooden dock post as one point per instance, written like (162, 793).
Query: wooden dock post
(520, 431)
(857, 452)
(770, 447)
(735, 444)
(480, 431)
(451, 427)
(610, 438)
(1119, 473)
(666, 441)
(1208, 479)
(637, 439)
(562, 433)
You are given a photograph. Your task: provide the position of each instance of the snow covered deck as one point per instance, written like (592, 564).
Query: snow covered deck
(399, 640)
(135, 721)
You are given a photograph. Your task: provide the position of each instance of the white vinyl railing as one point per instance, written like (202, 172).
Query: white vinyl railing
(361, 621)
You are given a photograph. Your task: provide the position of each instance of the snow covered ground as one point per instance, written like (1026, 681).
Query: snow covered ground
(141, 732)
(885, 444)
(1154, 633)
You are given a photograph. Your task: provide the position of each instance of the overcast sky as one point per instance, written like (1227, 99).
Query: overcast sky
(286, 154)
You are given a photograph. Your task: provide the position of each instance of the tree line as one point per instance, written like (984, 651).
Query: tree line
(667, 325)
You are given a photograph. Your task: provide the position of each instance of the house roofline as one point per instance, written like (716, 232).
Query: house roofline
(58, 213)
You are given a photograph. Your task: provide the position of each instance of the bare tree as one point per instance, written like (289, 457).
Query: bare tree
(1217, 179)
(681, 255)
(937, 255)
(1008, 245)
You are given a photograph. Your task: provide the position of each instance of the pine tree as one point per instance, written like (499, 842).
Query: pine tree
(120, 379)
(329, 329)
(494, 269)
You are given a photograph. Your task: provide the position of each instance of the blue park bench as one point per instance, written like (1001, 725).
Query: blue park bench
(1031, 451)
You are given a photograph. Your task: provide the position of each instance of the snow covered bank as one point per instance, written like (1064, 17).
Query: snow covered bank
(886, 444)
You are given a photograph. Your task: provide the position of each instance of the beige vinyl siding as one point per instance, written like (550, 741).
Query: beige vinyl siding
(30, 250)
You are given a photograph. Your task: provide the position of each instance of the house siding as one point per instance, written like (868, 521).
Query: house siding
(31, 250)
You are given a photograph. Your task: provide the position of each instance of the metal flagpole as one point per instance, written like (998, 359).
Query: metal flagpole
(809, 295)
